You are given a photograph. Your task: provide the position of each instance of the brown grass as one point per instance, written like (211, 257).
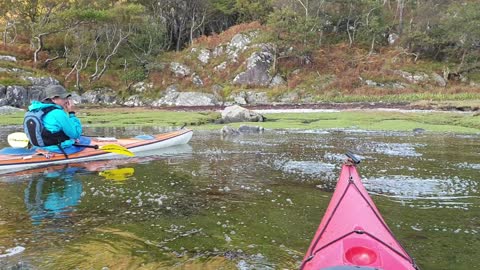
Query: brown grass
(20, 51)
(214, 40)
(346, 64)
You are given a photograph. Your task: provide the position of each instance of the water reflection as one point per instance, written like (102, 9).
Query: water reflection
(117, 175)
(53, 195)
(57, 192)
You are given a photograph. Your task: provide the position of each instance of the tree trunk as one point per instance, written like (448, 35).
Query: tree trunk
(305, 6)
(372, 47)
(400, 9)
(39, 39)
(348, 27)
(49, 60)
(106, 62)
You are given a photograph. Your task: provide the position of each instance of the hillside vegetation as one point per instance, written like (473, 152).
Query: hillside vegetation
(362, 50)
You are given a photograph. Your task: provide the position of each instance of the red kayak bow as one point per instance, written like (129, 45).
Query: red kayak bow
(353, 234)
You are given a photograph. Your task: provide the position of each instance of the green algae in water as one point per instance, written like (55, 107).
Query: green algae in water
(254, 200)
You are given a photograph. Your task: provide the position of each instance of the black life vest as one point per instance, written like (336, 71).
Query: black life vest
(36, 131)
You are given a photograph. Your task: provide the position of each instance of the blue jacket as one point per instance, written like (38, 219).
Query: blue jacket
(59, 120)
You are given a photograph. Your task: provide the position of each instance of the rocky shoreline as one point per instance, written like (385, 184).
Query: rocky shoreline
(252, 86)
(328, 106)
(403, 106)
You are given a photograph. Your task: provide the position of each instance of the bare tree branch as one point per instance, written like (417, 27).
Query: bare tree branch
(106, 62)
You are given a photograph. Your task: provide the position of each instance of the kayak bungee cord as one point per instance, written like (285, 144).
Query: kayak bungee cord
(312, 253)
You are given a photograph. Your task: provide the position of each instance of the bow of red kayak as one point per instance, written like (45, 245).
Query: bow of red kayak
(353, 234)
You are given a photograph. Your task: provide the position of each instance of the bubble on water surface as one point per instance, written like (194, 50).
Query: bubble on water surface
(408, 187)
(308, 131)
(394, 149)
(465, 165)
(12, 251)
(334, 157)
(257, 143)
(305, 167)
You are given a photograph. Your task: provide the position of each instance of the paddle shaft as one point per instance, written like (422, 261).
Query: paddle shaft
(112, 148)
(86, 146)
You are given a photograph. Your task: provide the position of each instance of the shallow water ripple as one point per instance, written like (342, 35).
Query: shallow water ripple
(246, 202)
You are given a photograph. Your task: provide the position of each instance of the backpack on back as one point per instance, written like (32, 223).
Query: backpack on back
(33, 125)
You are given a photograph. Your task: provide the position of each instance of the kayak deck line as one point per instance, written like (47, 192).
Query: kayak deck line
(358, 230)
(353, 232)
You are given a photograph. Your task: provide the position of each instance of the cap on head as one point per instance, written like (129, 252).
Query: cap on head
(55, 90)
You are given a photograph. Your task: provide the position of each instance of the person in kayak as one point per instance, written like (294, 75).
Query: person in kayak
(51, 124)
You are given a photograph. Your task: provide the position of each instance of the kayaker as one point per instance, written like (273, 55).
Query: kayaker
(51, 124)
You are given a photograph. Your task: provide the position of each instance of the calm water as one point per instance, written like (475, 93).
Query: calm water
(246, 202)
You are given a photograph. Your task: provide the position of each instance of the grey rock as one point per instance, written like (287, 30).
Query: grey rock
(169, 98)
(257, 98)
(439, 80)
(373, 83)
(236, 113)
(222, 66)
(257, 73)
(418, 130)
(196, 99)
(278, 80)
(9, 110)
(142, 87)
(35, 93)
(173, 98)
(134, 101)
(238, 44)
(204, 56)
(392, 38)
(397, 85)
(239, 98)
(227, 131)
(218, 51)
(180, 70)
(100, 96)
(249, 97)
(16, 96)
(413, 77)
(3, 91)
(19, 96)
(8, 58)
(197, 80)
(172, 88)
(250, 129)
(240, 41)
(41, 81)
(77, 99)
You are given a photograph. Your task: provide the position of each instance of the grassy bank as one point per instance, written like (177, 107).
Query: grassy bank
(359, 119)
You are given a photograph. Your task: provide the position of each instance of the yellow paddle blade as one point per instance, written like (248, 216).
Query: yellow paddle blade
(119, 175)
(18, 140)
(117, 149)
